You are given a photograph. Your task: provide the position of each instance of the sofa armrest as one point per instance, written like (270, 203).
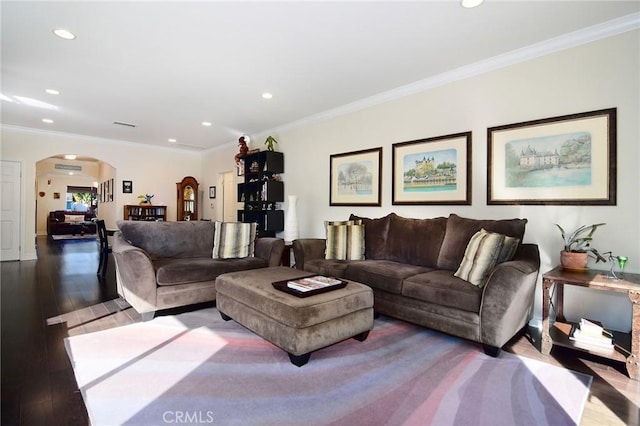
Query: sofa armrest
(136, 275)
(508, 297)
(270, 249)
(308, 249)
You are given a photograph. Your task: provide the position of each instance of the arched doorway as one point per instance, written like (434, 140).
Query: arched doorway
(57, 175)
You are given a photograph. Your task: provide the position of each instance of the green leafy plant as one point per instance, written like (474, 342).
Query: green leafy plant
(579, 241)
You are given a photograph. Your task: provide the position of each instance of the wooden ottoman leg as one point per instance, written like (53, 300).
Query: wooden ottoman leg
(362, 336)
(300, 360)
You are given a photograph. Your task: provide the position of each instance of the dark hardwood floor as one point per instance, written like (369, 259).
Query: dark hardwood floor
(60, 295)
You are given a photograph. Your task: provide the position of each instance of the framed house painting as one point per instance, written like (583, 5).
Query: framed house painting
(355, 178)
(566, 160)
(432, 171)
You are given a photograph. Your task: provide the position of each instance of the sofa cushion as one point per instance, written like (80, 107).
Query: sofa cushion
(328, 267)
(415, 241)
(234, 240)
(170, 239)
(375, 239)
(442, 288)
(384, 275)
(192, 270)
(480, 256)
(460, 230)
(345, 241)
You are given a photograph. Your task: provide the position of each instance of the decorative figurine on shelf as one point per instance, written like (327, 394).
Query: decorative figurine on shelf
(269, 143)
(145, 200)
(621, 261)
(244, 149)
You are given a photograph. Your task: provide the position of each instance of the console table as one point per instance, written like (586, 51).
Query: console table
(627, 345)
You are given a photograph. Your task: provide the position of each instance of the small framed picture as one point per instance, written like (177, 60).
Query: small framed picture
(355, 178)
(212, 192)
(127, 187)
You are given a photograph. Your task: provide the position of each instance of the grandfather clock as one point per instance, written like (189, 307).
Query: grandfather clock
(187, 199)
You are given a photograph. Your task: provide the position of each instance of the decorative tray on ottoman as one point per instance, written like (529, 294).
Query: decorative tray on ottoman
(308, 286)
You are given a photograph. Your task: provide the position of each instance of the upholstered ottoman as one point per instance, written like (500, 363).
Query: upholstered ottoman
(296, 325)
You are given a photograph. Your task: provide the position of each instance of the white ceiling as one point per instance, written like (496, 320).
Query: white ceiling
(168, 66)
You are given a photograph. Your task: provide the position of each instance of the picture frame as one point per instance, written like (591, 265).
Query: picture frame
(112, 189)
(127, 187)
(212, 192)
(564, 160)
(434, 170)
(355, 178)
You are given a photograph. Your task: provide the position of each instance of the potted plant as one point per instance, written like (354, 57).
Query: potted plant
(577, 247)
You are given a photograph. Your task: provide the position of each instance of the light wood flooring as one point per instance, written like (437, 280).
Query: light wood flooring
(60, 294)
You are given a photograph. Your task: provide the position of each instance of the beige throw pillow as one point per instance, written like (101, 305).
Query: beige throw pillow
(480, 256)
(234, 240)
(345, 240)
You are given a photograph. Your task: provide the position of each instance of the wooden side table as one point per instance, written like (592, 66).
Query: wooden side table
(627, 345)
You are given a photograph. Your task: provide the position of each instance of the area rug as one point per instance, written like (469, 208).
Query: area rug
(195, 368)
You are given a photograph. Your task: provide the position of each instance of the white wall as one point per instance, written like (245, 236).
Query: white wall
(152, 170)
(215, 163)
(599, 75)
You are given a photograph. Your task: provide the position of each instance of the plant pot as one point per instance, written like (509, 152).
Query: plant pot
(142, 203)
(574, 261)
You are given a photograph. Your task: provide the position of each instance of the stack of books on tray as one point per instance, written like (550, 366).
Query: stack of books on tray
(312, 283)
(590, 334)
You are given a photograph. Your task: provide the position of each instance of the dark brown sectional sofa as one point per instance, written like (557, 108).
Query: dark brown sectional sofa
(410, 265)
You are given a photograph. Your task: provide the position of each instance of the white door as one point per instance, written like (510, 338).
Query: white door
(10, 172)
(229, 203)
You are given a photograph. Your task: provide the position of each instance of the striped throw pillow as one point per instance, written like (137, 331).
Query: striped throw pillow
(344, 241)
(508, 249)
(234, 240)
(480, 256)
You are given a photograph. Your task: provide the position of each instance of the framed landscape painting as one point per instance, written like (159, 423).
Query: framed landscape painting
(354, 178)
(566, 160)
(433, 171)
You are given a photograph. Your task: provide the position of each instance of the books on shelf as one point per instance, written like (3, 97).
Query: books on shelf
(312, 283)
(591, 333)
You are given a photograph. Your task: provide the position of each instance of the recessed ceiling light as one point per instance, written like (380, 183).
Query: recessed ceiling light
(70, 156)
(65, 34)
(47, 120)
(52, 91)
(267, 95)
(206, 123)
(470, 3)
(172, 140)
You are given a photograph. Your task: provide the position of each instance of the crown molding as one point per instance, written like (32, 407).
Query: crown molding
(97, 139)
(566, 41)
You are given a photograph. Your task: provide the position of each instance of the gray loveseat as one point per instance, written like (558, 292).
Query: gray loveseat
(410, 265)
(162, 265)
